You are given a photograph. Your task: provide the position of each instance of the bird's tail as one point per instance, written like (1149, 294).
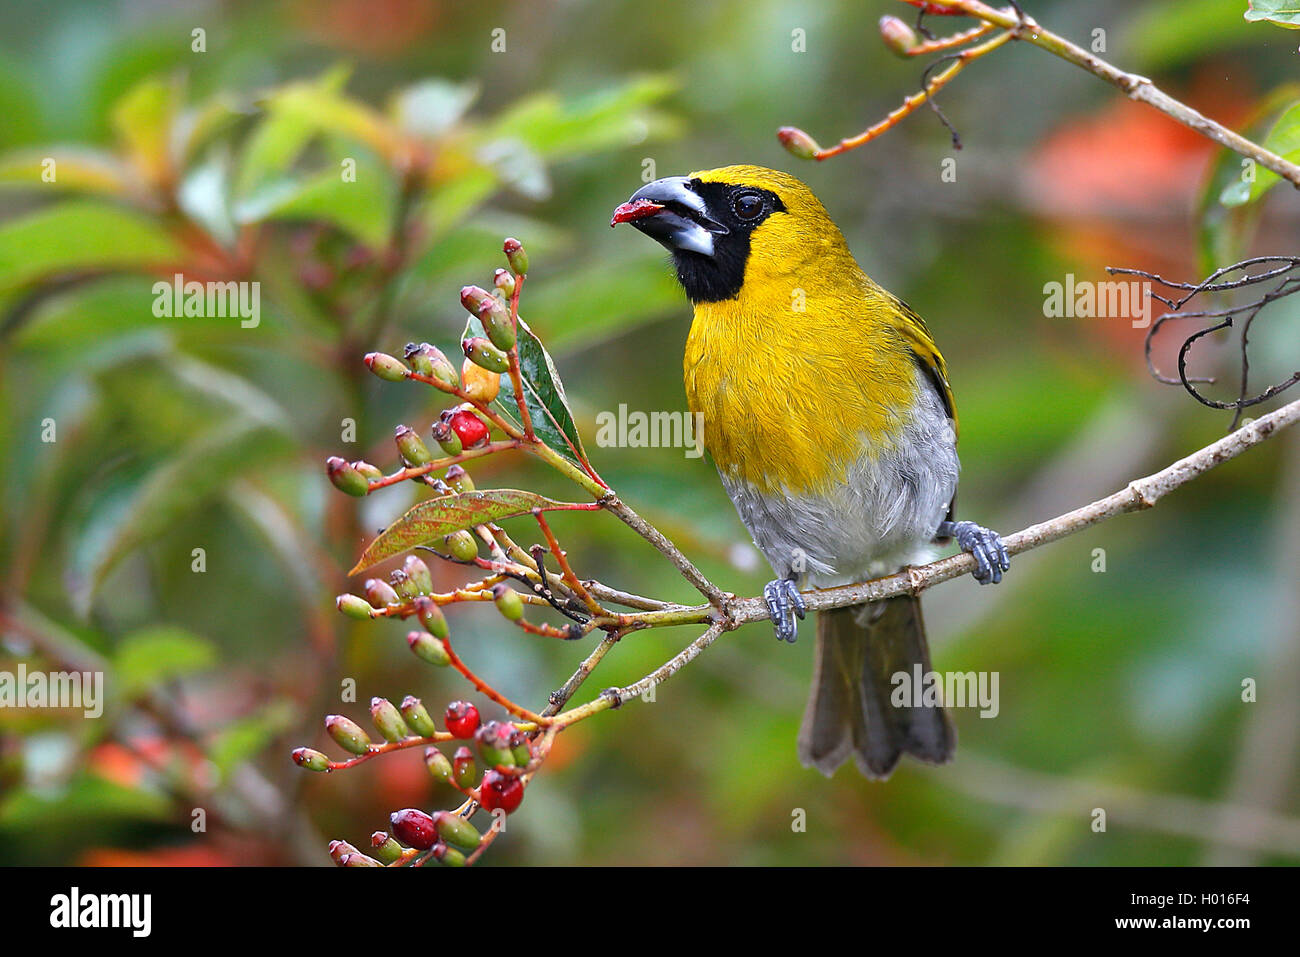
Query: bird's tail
(859, 650)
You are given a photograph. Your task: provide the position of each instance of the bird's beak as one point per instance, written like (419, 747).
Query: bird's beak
(672, 214)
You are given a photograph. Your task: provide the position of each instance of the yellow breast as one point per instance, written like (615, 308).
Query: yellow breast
(795, 381)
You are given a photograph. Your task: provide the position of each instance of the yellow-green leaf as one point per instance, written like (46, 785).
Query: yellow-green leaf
(429, 521)
(77, 235)
(71, 169)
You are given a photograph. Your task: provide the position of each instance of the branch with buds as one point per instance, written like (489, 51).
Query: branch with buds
(1014, 24)
(508, 386)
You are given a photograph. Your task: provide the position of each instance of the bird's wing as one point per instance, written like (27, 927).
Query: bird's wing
(927, 355)
(918, 338)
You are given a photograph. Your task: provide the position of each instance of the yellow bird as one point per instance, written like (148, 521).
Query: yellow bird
(827, 411)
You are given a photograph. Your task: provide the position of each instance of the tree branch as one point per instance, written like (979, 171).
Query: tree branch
(1019, 26)
(1140, 494)
(1134, 86)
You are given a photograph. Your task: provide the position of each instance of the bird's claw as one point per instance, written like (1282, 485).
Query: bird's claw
(783, 603)
(984, 545)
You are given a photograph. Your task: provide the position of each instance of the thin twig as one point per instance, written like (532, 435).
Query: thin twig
(1134, 86)
(613, 504)
(912, 103)
(562, 560)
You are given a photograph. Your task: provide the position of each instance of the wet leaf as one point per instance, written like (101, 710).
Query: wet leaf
(548, 407)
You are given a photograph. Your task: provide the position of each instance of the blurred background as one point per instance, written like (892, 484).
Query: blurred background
(1121, 652)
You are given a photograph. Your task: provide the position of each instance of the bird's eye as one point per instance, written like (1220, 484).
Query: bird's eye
(747, 205)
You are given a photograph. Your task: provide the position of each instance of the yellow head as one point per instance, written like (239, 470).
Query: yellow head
(734, 226)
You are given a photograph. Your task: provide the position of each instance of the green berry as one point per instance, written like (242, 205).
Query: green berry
(354, 606)
(417, 717)
(386, 367)
(347, 734)
(508, 601)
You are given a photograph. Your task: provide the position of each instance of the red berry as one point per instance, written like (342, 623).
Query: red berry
(502, 791)
(469, 428)
(461, 719)
(414, 828)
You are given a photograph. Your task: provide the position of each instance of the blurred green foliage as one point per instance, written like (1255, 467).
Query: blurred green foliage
(176, 434)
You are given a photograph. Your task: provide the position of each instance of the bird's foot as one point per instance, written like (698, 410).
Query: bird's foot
(783, 603)
(984, 545)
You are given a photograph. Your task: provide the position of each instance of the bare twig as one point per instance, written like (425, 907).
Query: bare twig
(1285, 269)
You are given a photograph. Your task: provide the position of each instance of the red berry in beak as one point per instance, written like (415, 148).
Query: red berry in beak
(637, 209)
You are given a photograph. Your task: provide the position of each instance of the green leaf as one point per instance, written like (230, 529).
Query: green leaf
(1285, 13)
(204, 196)
(1284, 140)
(154, 655)
(74, 169)
(544, 394)
(363, 208)
(319, 106)
(194, 475)
(281, 137)
(453, 200)
(80, 234)
(517, 166)
(548, 407)
(555, 128)
(87, 799)
(250, 736)
(1224, 233)
(197, 126)
(431, 107)
(430, 520)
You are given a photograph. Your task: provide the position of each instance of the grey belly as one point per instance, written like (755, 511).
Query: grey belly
(883, 517)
